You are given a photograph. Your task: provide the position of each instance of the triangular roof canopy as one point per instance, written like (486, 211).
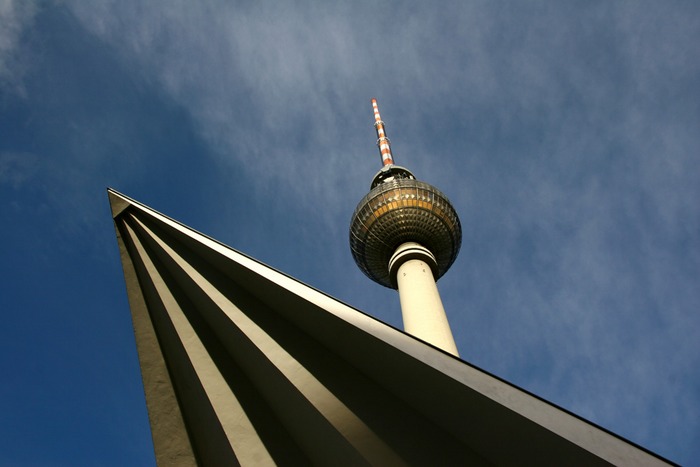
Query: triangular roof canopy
(244, 364)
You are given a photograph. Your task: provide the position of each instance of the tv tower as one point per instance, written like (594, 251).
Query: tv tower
(405, 235)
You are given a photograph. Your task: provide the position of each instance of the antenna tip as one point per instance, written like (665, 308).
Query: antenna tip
(374, 101)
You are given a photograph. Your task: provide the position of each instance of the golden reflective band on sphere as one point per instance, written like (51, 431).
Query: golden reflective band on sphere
(381, 209)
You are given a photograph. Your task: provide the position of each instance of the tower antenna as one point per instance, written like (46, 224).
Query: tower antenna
(383, 143)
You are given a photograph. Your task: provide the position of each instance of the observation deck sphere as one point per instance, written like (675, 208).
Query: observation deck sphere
(400, 211)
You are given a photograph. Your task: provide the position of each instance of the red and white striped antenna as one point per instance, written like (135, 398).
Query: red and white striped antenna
(382, 141)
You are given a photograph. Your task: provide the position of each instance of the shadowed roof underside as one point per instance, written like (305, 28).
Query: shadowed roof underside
(245, 365)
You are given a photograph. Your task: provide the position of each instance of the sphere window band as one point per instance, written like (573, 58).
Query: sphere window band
(397, 199)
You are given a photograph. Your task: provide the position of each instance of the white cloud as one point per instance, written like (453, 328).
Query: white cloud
(15, 16)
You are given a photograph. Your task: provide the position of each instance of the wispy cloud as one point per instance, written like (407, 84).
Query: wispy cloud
(17, 169)
(15, 16)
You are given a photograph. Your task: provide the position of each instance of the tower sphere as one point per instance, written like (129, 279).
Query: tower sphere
(400, 209)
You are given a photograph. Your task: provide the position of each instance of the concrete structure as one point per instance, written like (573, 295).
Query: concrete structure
(244, 365)
(421, 306)
(405, 234)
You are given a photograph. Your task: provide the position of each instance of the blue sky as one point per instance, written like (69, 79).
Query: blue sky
(566, 134)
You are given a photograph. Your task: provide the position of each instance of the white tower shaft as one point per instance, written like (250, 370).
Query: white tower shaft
(421, 307)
